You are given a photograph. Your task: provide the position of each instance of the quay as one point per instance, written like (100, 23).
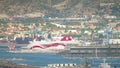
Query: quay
(93, 51)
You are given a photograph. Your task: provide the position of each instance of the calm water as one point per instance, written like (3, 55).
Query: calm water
(35, 59)
(42, 59)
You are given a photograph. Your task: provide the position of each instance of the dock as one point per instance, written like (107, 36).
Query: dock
(93, 51)
(69, 65)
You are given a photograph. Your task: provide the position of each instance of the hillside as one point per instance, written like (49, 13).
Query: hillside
(61, 8)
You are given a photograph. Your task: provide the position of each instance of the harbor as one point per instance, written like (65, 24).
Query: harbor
(60, 34)
(73, 59)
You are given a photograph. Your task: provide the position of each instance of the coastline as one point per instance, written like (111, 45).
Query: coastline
(10, 65)
(6, 64)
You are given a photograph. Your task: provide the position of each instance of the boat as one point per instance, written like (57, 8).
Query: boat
(53, 44)
(104, 65)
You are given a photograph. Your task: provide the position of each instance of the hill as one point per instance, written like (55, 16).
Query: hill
(60, 8)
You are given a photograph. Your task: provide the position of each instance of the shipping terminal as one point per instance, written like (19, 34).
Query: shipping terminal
(96, 50)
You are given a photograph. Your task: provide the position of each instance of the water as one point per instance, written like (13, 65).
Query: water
(34, 59)
(43, 59)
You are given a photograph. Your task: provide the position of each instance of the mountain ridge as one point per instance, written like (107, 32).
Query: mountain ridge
(60, 8)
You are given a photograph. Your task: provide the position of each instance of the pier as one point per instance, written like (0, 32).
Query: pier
(93, 51)
(70, 65)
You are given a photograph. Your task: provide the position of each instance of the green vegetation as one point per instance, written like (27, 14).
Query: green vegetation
(64, 7)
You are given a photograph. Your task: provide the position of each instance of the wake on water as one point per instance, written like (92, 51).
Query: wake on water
(26, 59)
(15, 59)
(30, 51)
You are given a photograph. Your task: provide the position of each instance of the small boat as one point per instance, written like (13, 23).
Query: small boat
(11, 47)
(104, 65)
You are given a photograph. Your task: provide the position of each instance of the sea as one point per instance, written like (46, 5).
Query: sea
(43, 59)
